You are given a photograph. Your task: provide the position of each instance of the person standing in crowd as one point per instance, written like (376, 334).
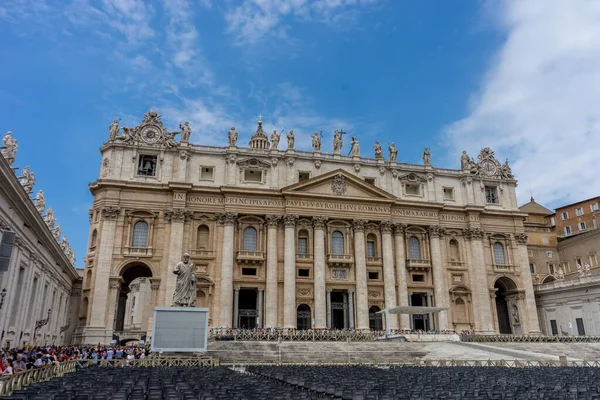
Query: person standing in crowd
(19, 365)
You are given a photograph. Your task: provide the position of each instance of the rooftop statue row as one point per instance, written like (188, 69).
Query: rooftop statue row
(27, 180)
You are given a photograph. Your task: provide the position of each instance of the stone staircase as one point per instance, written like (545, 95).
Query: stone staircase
(315, 352)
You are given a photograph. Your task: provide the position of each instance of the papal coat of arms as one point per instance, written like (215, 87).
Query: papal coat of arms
(338, 185)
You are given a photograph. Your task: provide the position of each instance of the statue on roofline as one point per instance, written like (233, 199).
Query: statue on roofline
(49, 218)
(290, 140)
(186, 132)
(316, 142)
(27, 180)
(275, 137)
(354, 147)
(464, 161)
(337, 141)
(10, 148)
(40, 202)
(393, 152)
(113, 130)
(232, 135)
(378, 151)
(426, 157)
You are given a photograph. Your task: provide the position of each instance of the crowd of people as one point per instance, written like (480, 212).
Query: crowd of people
(23, 359)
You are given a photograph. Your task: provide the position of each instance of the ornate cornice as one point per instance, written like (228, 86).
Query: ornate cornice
(177, 215)
(474, 233)
(319, 222)
(399, 228)
(435, 231)
(386, 226)
(110, 212)
(289, 220)
(521, 238)
(273, 220)
(358, 225)
(4, 225)
(227, 218)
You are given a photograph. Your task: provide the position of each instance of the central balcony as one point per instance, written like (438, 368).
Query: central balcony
(137, 251)
(304, 258)
(418, 265)
(250, 257)
(340, 260)
(203, 254)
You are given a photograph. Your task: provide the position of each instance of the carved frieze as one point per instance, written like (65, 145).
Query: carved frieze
(317, 164)
(319, 222)
(289, 220)
(184, 155)
(273, 220)
(339, 275)
(110, 212)
(227, 218)
(177, 215)
(474, 233)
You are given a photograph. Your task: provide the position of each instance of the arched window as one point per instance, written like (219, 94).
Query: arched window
(94, 238)
(499, 257)
(454, 251)
(414, 248)
(202, 239)
(83, 311)
(249, 239)
(371, 245)
(337, 242)
(140, 235)
(303, 242)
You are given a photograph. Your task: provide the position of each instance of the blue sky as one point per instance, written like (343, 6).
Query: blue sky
(519, 76)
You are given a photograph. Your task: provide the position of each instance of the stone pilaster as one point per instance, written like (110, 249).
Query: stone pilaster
(271, 285)
(259, 307)
(114, 289)
(532, 324)
(226, 293)
(319, 272)
(401, 274)
(328, 308)
(360, 267)
(176, 217)
(289, 272)
(389, 280)
(439, 279)
(351, 309)
(236, 307)
(481, 291)
(99, 300)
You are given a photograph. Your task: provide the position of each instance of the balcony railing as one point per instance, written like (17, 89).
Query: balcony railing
(418, 265)
(306, 257)
(137, 251)
(203, 254)
(250, 257)
(340, 259)
(374, 261)
(504, 268)
(456, 264)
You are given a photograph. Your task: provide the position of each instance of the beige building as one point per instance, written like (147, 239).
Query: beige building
(40, 287)
(301, 239)
(576, 218)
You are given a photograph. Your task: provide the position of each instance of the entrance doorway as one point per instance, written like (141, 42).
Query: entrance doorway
(502, 286)
(129, 274)
(247, 312)
(375, 320)
(339, 310)
(303, 317)
(420, 321)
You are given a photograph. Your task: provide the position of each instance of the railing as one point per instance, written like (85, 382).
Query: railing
(9, 384)
(504, 268)
(304, 257)
(456, 264)
(161, 361)
(420, 265)
(340, 259)
(203, 253)
(137, 251)
(529, 338)
(293, 335)
(250, 256)
(374, 260)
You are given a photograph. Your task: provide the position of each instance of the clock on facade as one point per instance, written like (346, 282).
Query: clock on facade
(150, 134)
(488, 167)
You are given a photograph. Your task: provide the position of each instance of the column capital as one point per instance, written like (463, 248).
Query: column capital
(261, 290)
(319, 222)
(521, 238)
(358, 225)
(237, 289)
(177, 215)
(272, 220)
(289, 220)
(110, 212)
(351, 291)
(473, 233)
(386, 226)
(399, 228)
(435, 231)
(227, 218)
(329, 290)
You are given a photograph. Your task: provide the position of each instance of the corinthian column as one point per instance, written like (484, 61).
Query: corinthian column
(226, 291)
(360, 269)
(401, 273)
(319, 273)
(389, 280)
(439, 280)
(532, 324)
(289, 272)
(105, 255)
(271, 286)
(481, 291)
(176, 217)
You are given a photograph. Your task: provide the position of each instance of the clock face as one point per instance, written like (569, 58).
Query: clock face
(488, 167)
(150, 134)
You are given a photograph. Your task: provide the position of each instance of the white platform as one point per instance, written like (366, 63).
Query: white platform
(180, 330)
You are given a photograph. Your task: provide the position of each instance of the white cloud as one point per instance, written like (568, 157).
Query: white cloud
(539, 103)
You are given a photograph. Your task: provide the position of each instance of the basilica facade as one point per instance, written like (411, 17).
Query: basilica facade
(301, 239)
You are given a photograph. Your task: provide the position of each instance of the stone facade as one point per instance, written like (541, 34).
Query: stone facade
(39, 294)
(299, 239)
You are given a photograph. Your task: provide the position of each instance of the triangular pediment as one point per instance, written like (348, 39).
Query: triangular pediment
(338, 183)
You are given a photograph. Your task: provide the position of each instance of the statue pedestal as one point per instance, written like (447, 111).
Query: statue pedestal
(180, 330)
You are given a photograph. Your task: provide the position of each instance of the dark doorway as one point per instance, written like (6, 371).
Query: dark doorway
(580, 327)
(247, 312)
(303, 317)
(502, 308)
(420, 321)
(132, 272)
(375, 320)
(338, 310)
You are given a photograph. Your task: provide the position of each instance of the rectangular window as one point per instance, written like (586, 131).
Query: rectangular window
(413, 189)
(582, 226)
(207, 173)
(549, 254)
(253, 175)
(551, 269)
(249, 271)
(373, 275)
(579, 211)
(491, 195)
(418, 278)
(567, 230)
(552, 221)
(371, 249)
(302, 245)
(532, 268)
(565, 216)
(553, 327)
(147, 165)
(448, 193)
(303, 176)
(545, 240)
(304, 273)
(580, 327)
(370, 181)
(594, 207)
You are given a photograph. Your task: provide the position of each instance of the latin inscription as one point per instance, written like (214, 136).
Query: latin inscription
(415, 213)
(335, 206)
(452, 217)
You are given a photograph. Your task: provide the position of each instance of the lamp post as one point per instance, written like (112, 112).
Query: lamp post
(2, 296)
